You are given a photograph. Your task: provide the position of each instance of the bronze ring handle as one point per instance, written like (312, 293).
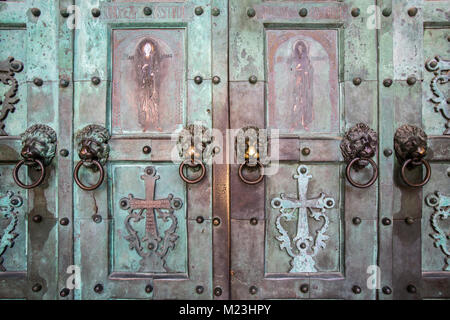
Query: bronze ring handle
(192, 163)
(81, 185)
(31, 186)
(252, 182)
(371, 181)
(427, 177)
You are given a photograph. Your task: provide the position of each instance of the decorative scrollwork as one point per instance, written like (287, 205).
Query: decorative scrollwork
(8, 68)
(441, 69)
(8, 203)
(299, 247)
(441, 205)
(154, 253)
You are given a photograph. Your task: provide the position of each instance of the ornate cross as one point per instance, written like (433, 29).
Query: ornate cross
(302, 258)
(153, 258)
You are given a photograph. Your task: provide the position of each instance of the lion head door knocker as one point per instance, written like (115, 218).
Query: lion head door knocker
(441, 70)
(304, 247)
(93, 150)
(38, 151)
(358, 147)
(154, 253)
(8, 205)
(8, 68)
(251, 152)
(194, 144)
(410, 143)
(441, 205)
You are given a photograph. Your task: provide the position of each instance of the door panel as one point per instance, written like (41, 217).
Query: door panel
(29, 218)
(306, 69)
(419, 232)
(147, 64)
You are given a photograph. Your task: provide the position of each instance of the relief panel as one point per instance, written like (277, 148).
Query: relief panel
(436, 84)
(149, 218)
(13, 225)
(302, 204)
(302, 68)
(13, 88)
(148, 80)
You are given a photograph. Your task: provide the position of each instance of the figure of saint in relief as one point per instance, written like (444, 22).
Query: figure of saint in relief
(148, 60)
(302, 85)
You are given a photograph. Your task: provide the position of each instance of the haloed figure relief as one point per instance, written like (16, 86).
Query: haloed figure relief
(301, 80)
(148, 60)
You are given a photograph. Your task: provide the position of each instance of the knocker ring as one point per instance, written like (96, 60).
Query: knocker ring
(31, 186)
(78, 181)
(192, 163)
(416, 163)
(252, 182)
(371, 181)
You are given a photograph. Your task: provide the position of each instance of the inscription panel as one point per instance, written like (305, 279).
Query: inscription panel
(148, 80)
(302, 68)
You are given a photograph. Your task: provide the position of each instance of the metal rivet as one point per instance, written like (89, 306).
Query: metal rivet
(198, 80)
(303, 245)
(98, 288)
(96, 80)
(356, 220)
(411, 289)
(97, 218)
(330, 203)
(306, 151)
(387, 12)
(387, 83)
(38, 82)
(303, 12)
(36, 12)
(303, 170)
(146, 149)
(253, 79)
(177, 204)
(200, 219)
(355, 12)
(409, 220)
(216, 222)
(412, 11)
(386, 221)
(37, 287)
(199, 289)
(64, 12)
(37, 218)
(216, 80)
(148, 11)
(253, 290)
(387, 290)
(304, 288)
(15, 202)
(64, 292)
(251, 12)
(199, 11)
(387, 152)
(96, 12)
(217, 291)
(411, 80)
(215, 12)
(433, 200)
(356, 290)
(253, 221)
(64, 153)
(148, 288)
(216, 150)
(357, 81)
(64, 221)
(64, 83)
